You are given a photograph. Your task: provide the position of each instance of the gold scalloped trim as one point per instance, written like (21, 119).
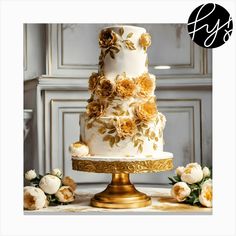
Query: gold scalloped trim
(145, 166)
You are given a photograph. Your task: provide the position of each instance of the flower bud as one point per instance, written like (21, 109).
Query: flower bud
(30, 175)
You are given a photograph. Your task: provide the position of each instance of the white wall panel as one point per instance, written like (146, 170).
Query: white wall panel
(34, 50)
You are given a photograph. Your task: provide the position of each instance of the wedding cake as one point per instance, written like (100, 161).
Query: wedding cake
(121, 118)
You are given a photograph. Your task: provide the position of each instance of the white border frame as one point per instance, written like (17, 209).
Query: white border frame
(13, 222)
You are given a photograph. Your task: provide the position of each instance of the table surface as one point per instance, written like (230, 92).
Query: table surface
(162, 203)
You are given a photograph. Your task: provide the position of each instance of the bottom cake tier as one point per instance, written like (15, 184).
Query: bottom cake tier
(114, 136)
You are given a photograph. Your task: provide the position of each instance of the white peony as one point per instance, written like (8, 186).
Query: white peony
(180, 191)
(205, 196)
(179, 171)
(30, 175)
(65, 194)
(50, 184)
(56, 172)
(206, 172)
(34, 198)
(192, 174)
(79, 149)
(193, 164)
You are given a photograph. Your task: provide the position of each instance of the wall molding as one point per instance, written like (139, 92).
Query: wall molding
(198, 59)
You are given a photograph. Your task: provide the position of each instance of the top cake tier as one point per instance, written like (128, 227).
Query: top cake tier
(123, 50)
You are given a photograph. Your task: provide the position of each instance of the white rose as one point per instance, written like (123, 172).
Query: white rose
(65, 194)
(34, 198)
(30, 175)
(206, 172)
(50, 184)
(205, 196)
(192, 173)
(180, 191)
(78, 149)
(56, 172)
(179, 171)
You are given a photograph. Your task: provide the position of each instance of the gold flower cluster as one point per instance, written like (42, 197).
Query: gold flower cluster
(121, 127)
(123, 87)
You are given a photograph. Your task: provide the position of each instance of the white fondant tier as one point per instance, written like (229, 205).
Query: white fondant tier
(132, 62)
(159, 155)
(104, 141)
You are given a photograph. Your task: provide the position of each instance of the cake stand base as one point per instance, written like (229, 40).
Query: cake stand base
(120, 194)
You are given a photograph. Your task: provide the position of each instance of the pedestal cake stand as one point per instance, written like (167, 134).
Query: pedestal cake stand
(121, 193)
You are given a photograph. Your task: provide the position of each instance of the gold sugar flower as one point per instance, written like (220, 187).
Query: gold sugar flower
(94, 80)
(65, 194)
(125, 127)
(125, 87)
(145, 85)
(146, 111)
(105, 88)
(68, 181)
(145, 40)
(95, 109)
(107, 38)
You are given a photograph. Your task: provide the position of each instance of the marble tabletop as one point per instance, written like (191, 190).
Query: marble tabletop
(162, 203)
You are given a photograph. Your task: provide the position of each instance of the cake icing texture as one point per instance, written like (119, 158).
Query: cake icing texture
(121, 117)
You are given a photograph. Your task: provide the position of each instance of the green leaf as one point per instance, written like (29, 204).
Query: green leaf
(177, 178)
(172, 180)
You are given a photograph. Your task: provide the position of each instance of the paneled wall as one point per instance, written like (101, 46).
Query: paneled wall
(183, 95)
(34, 50)
(73, 50)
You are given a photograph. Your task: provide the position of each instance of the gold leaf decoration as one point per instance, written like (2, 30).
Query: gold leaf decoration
(140, 148)
(123, 166)
(112, 141)
(136, 143)
(117, 139)
(154, 146)
(111, 131)
(112, 54)
(146, 62)
(121, 31)
(147, 132)
(89, 125)
(102, 130)
(129, 35)
(129, 44)
(107, 137)
(152, 136)
(115, 48)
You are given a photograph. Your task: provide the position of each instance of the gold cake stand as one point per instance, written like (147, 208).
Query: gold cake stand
(121, 193)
